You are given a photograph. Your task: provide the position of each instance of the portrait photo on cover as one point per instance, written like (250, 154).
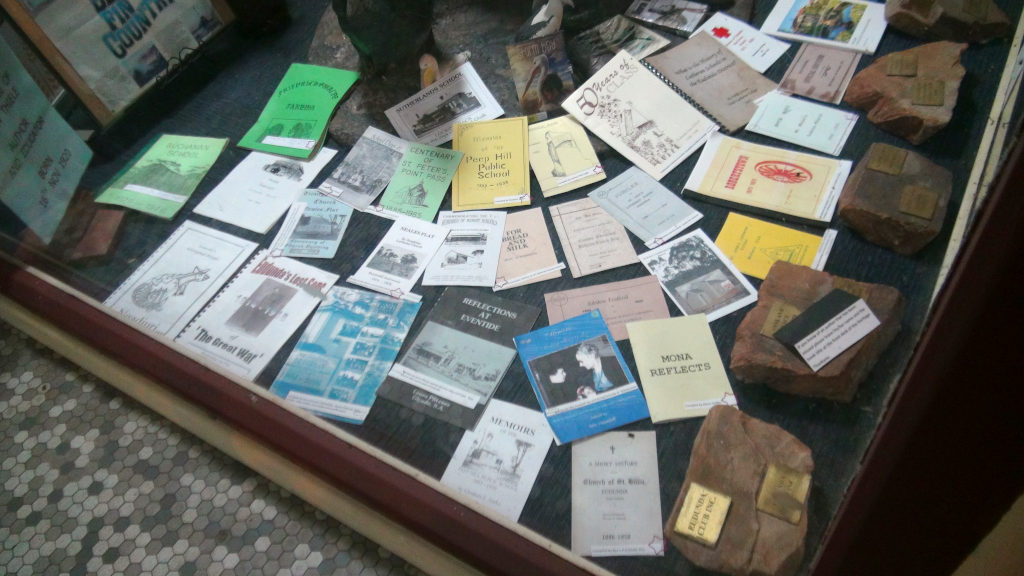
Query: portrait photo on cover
(577, 372)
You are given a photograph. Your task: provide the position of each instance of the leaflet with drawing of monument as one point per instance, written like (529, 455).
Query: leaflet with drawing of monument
(562, 156)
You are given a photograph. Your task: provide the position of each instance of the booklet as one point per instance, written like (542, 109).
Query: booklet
(162, 177)
(717, 81)
(320, 222)
(698, 277)
(803, 123)
(649, 210)
(820, 72)
(421, 181)
(619, 302)
(527, 254)
(256, 313)
(680, 369)
(616, 496)
(260, 189)
(542, 74)
(495, 170)
(562, 157)
(628, 107)
(469, 255)
(788, 184)
(427, 117)
(851, 24)
(678, 16)
(592, 49)
(452, 367)
(400, 258)
(294, 121)
(345, 352)
(581, 381)
(366, 170)
(752, 46)
(179, 278)
(754, 245)
(592, 240)
(497, 463)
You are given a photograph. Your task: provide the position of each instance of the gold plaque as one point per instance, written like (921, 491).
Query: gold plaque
(901, 64)
(778, 316)
(918, 201)
(784, 492)
(928, 92)
(976, 8)
(887, 158)
(851, 286)
(703, 514)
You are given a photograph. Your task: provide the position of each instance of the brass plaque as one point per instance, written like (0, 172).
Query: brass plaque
(976, 8)
(887, 158)
(918, 201)
(778, 316)
(703, 514)
(928, 92)
(784, 492)
(901, 64)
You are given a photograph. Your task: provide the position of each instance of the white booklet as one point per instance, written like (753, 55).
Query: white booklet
(497, 463)
(851, 24)
(616, 496)
(261, 188)
(179, 278)
(256, 313)
(366, 170)
(749, 44)
(639, 116)
(469, 255)
(400, 258)
(646, 208)
(427, 116)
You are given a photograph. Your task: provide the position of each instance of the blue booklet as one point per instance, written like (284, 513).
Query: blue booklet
(582, 383)
(345, 353)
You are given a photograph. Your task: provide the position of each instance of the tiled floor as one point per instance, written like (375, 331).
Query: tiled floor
(94, 483)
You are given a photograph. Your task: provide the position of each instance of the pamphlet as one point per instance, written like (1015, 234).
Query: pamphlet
(495, 168)
(803, 123)
(421, 181)
(619, 302)
(616, 496)
(542, 74)
(851, 24)
(469, 255)
(345, 353)
(562, 157)
(754, 245)
(678, 16)
(527, 254)
(649, 210)
(452, 367)
(162, 177)
(754, 47)
(401, 256)
(294, 121)
(820, 72)
(592, 240)
(260, 189)
(366, 169)
(581, 381)
(698, 277)
(497, 463)
(592, 49)
(251, 318)
(427, 117)
(680, 369)
(167, 290)
(320, 225)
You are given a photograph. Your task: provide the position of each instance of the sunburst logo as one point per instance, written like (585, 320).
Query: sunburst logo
(784, 172)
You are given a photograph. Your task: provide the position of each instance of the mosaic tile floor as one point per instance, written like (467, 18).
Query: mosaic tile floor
(95, 483)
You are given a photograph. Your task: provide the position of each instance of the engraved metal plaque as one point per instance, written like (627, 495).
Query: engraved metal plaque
(887, 158)
(928, 92)
(901, 64)
(703, 514)
(778, 316)
(918, 201)
(784, 492)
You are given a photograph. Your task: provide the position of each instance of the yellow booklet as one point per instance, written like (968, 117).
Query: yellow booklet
(562, 157)
(495, 172)
(754, 245)
(679, 367)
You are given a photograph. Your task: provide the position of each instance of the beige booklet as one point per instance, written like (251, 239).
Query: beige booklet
(592, 239)
(679, 367)
(619, 302)
(562, 157)
(527, 255)
(712, 77)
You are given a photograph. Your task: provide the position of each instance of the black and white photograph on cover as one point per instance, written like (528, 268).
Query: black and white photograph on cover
(395, 261)
(577, 372)
(366, 169)
(289, 169)
(448, 355)
(145, 65)
(463, 249)
(260, 308)
(503, 454)
(459, 104)
(318, 227)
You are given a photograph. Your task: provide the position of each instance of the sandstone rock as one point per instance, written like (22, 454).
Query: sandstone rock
(895, 103)
(759, 358)
(899, 204)
(731, 455)
(955, 20)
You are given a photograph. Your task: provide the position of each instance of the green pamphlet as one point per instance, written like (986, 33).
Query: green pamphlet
(162, 177)
(294, 121)
(421, 181)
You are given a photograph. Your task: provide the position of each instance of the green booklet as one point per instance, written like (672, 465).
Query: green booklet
(162, 177)
(294, 121)
(421, 181)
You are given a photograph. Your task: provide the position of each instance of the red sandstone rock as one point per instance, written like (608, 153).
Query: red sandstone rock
(955, 20)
